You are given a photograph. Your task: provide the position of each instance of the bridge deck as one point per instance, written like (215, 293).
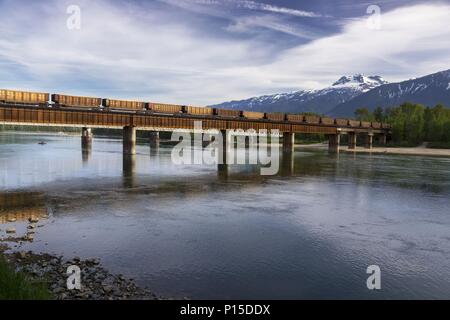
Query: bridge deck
(45, 116)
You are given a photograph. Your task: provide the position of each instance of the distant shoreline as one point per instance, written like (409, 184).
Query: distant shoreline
(417, 151)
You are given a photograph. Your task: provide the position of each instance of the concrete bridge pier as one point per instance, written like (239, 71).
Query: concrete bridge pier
(352, 140)
(368, 140)
(129, 140)
(154, 142)
(334, 141)
(86, 138)
(154, 138)
(288, 142)
(86, 144)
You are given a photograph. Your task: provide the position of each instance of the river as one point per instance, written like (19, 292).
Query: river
(309, 232)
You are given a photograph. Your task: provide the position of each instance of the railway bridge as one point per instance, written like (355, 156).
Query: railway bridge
(129, 122)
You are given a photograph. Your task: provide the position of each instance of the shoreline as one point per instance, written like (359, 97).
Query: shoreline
(97, 283)
(416, 151)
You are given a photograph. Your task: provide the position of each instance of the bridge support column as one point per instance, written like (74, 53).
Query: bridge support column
(334, 141)
(154, 139)
(129, 140)
(352, 140)
(368, 140)
(86, 137)
(288, 142)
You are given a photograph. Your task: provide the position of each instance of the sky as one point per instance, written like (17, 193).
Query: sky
(202, 52)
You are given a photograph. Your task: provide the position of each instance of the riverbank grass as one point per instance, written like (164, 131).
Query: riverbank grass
(16, 286)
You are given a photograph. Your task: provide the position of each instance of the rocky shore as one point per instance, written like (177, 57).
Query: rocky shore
(96, 282)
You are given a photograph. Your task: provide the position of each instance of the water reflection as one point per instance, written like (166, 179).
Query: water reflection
(19, 213)
(209, 232)
(154, 147)
(129, 170)
(86, 151)
(287, 164)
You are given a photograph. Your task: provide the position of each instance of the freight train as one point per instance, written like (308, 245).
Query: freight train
(91, 103)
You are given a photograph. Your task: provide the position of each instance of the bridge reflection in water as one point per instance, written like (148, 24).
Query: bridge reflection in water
(19, 213)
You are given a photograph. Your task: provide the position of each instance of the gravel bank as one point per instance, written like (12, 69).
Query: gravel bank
(96, 282)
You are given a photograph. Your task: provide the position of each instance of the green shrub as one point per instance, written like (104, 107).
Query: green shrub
(17, 286)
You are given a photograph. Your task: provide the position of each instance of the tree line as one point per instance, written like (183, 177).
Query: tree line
(412, 123)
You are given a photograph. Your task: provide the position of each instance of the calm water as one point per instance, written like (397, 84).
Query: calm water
(309, 232)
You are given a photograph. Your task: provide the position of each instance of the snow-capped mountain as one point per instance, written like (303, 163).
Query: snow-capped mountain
(318, 101)
(359, 82)
(428, 90)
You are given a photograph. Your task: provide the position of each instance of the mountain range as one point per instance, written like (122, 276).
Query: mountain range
(349, 93)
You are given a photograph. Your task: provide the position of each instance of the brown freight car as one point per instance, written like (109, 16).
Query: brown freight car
(76, 101)
(326, 120)
(165, 108)
(275, 116)
(341, 122)
(354, 123)
(252, 115)
(365, 124)
(376, 125)
(226, 113)
(312, 119)
(123, 104)
(23, 97)
(295, 117)
(201, 111)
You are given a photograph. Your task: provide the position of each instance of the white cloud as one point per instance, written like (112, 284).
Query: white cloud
(248, 24)
(412, 41)
(266, 17)
(245, 4)
(162, 56)
(252, 5)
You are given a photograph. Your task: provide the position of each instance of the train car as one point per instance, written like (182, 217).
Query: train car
(252, 115)
(164, 108)
(376, 125)
(123, 104)
(326, 120)
(312, 119)
(365, 124)
(295, 117)
(229, 113)
(76, 101)
(200, 111)
(354, 123)
(275, 116)
(341, 122)
(23, 97)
